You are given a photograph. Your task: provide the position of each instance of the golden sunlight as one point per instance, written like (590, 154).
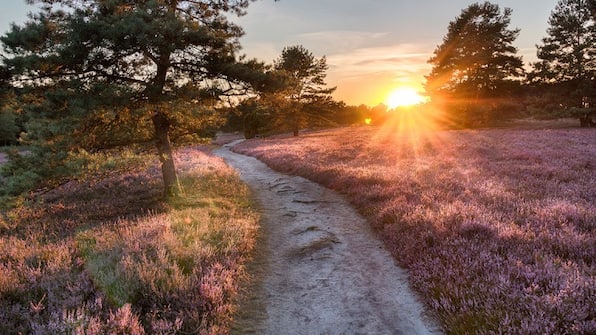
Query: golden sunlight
(403, 97)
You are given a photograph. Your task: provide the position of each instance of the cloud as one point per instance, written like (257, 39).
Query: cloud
(340, 41)
(401, 61)
(369, 74)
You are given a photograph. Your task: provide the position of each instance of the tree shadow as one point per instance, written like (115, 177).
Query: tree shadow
(83, 204)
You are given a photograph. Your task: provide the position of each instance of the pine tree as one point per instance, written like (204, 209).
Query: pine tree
(476, 63)
(568, 54)
(305, 99)
(136, 70)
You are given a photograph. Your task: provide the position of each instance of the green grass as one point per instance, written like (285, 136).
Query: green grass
(101, 264)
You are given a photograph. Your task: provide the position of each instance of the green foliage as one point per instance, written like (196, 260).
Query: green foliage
(10, 130)
(10, 116)
(555, 100)
(101, 70)
(567, 53)
(38, 166)
(567, 56)
(252, 116)
(101, 266)
(21, 182)
(304, 99)
(19, 174)
(305, 73)
(349, 115)
(477, 62)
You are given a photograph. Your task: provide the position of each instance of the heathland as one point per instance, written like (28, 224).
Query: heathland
(103, 254)
(497, 227)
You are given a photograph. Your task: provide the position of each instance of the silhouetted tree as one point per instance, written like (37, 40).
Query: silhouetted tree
(304, 98)
(253, 116)
(136, 70)
(476, 64)
(351, 115)
(569, 52)
(567, 65)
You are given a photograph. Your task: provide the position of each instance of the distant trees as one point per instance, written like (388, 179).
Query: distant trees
(304, 99)
(567, 56)
(120, 72)
(351, 115)
(255, 117)
(476, 65)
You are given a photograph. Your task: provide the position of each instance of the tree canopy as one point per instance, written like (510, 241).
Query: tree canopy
(304, 98)
(567, 56)
(569, 50)
(112, 68)
(476, 61)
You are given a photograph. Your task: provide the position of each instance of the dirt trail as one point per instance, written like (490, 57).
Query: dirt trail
(321, 270)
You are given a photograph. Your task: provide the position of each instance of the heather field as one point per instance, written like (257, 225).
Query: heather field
(104, 255)
(497, 227)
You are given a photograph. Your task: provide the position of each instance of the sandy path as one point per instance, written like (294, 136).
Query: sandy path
(321, 270)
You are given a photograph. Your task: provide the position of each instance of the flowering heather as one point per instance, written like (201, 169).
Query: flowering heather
(106, 256)
(497, 227)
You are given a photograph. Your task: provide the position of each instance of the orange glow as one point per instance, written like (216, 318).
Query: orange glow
(404, 97)
(368, 121)
(412, 130)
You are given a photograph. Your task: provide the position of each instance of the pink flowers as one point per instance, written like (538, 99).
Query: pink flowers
(498, 227)
(104, 256)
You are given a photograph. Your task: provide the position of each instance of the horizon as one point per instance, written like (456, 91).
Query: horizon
(372, 49)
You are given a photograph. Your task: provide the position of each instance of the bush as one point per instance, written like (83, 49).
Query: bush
(9, 131)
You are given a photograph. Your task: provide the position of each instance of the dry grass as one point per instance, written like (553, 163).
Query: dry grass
(107, 256)
(497, 227)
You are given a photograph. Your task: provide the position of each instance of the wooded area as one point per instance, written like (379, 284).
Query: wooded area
(95, 75)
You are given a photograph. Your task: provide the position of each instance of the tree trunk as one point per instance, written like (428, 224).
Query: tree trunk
(164, 150)
(296, 122)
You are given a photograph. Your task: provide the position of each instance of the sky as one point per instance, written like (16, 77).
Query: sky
(372, 46)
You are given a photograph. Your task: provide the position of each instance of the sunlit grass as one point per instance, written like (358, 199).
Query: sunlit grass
(497, 227)
(104, 255)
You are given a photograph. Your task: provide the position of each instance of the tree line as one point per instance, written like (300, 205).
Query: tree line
(99, 74)
(478, 76)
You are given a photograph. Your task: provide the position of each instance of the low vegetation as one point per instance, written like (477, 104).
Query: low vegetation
(105, 255)
(497, 227)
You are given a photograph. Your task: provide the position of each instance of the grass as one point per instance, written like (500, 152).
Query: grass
(105, 255)
(497, 227)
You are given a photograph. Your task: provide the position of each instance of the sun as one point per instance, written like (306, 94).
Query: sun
(403, 97)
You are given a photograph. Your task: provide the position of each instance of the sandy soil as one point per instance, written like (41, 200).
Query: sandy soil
(319, 268)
